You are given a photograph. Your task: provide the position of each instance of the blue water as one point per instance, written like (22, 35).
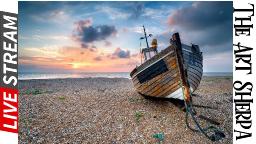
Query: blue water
(37, 75)
(217, 74)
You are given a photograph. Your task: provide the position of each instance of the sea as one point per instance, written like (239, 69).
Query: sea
(49, 75)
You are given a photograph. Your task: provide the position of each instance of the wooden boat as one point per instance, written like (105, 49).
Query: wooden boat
(174, 72)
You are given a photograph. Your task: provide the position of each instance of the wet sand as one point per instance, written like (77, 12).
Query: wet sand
(108, 110)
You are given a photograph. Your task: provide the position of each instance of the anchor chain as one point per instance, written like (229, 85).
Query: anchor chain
(217, 133)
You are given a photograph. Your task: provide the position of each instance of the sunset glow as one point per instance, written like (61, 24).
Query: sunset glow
(104, 36)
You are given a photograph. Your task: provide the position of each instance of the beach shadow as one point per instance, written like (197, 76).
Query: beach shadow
(176, 102)
(181, 105)
(212, 121)
(203, 106)
(196, 95)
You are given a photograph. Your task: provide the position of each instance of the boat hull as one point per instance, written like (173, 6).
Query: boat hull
(160, 76)
(193, 60)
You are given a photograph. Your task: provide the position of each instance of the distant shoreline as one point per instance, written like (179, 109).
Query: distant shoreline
(228, 76)
(76, 78)
(38, 76)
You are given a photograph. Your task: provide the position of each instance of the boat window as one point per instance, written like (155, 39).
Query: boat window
(152, 53)
(149, 53)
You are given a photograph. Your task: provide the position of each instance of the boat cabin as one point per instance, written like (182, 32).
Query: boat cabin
(150, 51)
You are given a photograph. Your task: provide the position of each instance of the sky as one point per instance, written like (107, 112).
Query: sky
(105, 36)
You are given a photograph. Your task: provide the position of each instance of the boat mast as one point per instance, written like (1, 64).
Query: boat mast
(145, 36)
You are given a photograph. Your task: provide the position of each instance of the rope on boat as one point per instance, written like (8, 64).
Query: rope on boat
(217, 133)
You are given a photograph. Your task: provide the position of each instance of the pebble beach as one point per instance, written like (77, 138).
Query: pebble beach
(109, 110)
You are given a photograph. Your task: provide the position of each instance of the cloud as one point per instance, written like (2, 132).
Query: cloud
(156, 14)
(113, 13)
(56, 16)
(202, 15)
(137, 10)
(119, 53)
(208, 24)
(45, 37)
(121, 10)
(86, 33)
(83, 45)
(83, 23)
(133, 63)
(76, 58)
(98, 58)
(108, 43)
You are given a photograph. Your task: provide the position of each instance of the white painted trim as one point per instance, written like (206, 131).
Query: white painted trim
(177, 94)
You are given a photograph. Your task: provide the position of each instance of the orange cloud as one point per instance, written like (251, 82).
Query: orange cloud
(79, 59)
